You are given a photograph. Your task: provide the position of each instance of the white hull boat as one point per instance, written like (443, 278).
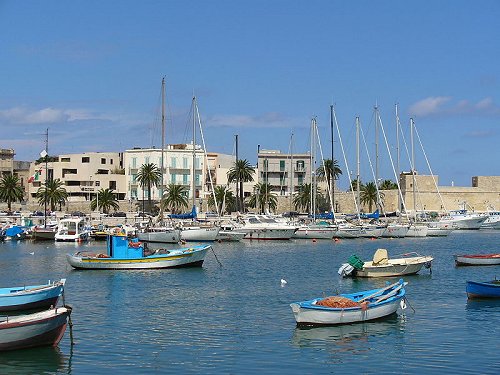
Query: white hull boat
(461, 219)
(363, 306)
(317, 232)
(417, 230)
(396, 230)
(199, 234)
(160, 235)
(230, 236)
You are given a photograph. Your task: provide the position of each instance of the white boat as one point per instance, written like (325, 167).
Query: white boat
(315, 231)
(199, 233)
(265, 227)
(160, 234)
(72, 230)
(45, 328)
(477, 260)
(350, 308)
(436, 229)
(371, 230)
(395, 230)
(492, 221)
(45, 232)
(462, 219)
(347, 230)
(417, 230)
(383, 266)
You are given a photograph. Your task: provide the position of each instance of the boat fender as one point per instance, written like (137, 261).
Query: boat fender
(135, 245)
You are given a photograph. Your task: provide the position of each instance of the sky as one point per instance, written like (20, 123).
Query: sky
(91, 71)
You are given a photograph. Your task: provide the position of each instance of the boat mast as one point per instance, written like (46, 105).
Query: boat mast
(162, 136)
(312, 200)
(193, 187)
(413, 170)
(46, 176)
(237, 175)
(377, 155)
(332, 200)
(358, 203)
(397, 154)
(291, 172)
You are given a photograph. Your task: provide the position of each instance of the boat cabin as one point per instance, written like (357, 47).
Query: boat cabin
(123, 248)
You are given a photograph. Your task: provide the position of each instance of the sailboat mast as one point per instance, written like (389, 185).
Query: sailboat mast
(162, 166)
(413, 169)
(46, 176)
(193, 187)
(376, 147)
(397, 154)
(238, 203)
(291, 171)
(357, 165)
(332, 200)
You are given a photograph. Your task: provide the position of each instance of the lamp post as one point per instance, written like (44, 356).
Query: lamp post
(90, 186)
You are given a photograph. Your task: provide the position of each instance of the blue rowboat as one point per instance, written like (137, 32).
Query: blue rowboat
(488, 289)
(31, 297)
(350, 308)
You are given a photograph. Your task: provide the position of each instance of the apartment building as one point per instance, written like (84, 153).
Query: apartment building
(82, 174)
(285, 172)
(10, 166)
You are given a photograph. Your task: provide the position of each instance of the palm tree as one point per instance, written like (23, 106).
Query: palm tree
(10, 190)
(388, 185)
(368, 195)
(149, 175)
(104, 200)
(175, 198)
(302, 198)
(241, 172)
(263, 197)
(52, 193)
(354, 185)
(224, 198)
(332, 169)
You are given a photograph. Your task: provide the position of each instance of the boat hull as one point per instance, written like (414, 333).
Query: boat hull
(417, 231)
(229, 236)
(394, 267)
(199, 234)
(43, 234)
(477, 260)
(167, 236)
(267, 234)
(190, 257)
(308, 314)
(483, 290)
(396, 231)
(45, 328)
(315, 233)
(30, 297)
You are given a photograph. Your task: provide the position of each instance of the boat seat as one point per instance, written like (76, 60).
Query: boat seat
(380, 257)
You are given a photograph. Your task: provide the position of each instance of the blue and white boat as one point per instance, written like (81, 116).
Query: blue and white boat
(123, 253)
(31, 297)
(487, 289)
(350, 308)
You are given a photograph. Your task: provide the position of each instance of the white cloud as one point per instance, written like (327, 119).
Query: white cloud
(26, 116)
(428, 106)
(442, 105)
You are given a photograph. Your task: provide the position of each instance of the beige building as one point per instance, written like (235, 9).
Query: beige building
(10, 166)
(83, 175)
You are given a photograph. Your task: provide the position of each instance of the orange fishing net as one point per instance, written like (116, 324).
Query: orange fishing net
(337, 302)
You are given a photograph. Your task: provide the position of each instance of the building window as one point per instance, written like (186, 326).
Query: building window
(197, 163)
(184, 162)
(65, 160)
(134, 178)
(197, 179)
(133, 193)
(103, 160)
(85, 159)
(282, 165)
(111, 161)
(173, 178)
(300, 180)
(185, 179)
(173, 162)
(112, 185)
(134, 162)
(146, 160)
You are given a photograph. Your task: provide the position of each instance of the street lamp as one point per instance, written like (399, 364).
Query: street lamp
(90, 186)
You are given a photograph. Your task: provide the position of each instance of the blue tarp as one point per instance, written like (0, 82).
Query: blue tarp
(374, 215)
(190, 215)
(14, 231)
(325, 216)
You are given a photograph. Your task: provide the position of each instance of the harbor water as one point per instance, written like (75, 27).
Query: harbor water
(233, 314)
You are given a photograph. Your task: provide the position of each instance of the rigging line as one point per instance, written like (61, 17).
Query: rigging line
(370, 162)
(328, 188)
(207, 166)
(393, 168)
(429, 166)
(345, 159)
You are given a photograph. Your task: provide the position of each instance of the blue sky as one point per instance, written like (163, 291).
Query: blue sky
(91, 72)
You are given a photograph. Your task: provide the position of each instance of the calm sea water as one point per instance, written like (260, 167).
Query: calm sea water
(236, 318)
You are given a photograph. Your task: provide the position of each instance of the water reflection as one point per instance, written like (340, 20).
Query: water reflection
(348, 337)
(482, 305)
(35, 361)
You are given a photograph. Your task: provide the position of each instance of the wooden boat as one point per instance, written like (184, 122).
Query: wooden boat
(350, 308)
(31, 297)
(383, 266)
(487, 289)
(477, 260)
(45, 328)
(122, 253)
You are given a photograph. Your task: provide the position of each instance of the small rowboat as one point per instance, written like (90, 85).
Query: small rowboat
(354, 307)
(31, 297)
(38, 329)
(477, 260)
(489, 289)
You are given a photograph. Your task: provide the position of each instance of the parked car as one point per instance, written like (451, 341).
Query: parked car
(118, 214)
(78, 214)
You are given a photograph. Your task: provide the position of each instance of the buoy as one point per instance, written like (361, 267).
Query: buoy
(314, 239)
